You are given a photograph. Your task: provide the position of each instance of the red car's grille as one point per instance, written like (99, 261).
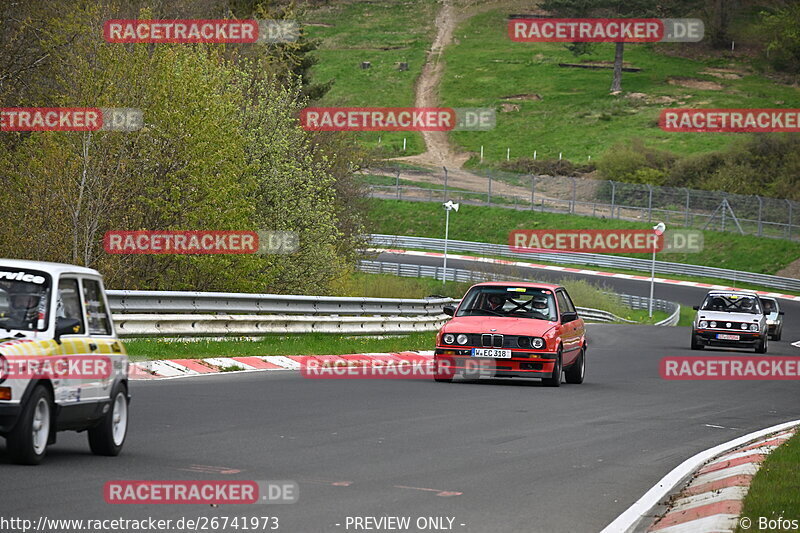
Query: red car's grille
(491, 341)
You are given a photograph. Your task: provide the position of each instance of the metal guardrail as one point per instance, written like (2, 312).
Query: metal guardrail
(210, 314)
(225, 302)
(469, 276)
(578, 258)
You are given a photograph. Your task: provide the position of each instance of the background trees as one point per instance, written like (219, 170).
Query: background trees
(221, 149)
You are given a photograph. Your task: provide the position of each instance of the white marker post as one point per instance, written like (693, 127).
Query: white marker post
(448, 206)
(659, 231)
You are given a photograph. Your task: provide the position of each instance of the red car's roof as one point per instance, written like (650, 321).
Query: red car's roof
(528, 284)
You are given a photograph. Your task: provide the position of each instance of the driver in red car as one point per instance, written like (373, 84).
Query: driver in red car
(494, 302)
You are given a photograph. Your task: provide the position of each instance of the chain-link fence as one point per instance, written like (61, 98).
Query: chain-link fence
(690, 208)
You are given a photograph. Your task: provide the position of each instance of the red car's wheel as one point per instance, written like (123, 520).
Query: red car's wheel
(575, 373)
(555, 379)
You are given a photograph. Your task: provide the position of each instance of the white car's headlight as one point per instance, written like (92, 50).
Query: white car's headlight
(462, 339)
(744, 326)
(753, 327)
(449, 338)
(703, 324)
(713, 324)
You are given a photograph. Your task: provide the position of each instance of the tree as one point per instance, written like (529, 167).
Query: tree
(616, 9)
(221, 150)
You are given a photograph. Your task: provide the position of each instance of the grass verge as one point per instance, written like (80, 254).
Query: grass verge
(775, 490)
(305, 344)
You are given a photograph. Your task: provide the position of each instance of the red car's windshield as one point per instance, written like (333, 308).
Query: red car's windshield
(509, 301)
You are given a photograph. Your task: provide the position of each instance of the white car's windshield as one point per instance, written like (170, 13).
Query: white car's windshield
(509, 301)
(731, 303)
(24, 295)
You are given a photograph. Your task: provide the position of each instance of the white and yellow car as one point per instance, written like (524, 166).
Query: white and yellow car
(61, 364)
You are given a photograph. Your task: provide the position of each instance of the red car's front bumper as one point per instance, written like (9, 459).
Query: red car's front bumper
(523, 363)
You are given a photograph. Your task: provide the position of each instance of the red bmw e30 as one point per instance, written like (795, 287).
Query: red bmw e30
(523, 329)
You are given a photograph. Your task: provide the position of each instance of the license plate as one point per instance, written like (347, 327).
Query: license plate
(723, 337)
(491, 352)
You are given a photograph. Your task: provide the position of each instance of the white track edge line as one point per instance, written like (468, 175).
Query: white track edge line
(640, 508)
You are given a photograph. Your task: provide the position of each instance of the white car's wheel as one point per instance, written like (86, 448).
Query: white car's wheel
(27, 442)
(108, 436)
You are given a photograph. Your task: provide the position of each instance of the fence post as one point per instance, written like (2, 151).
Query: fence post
(789, 203)
(572, 207)
(686, 212)
(650, 203)
(613, 195)
(397, 184)
(445, 183)
(760, 209)
(533, 190)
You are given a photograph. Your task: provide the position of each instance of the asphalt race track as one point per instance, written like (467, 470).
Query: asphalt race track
(496, 456)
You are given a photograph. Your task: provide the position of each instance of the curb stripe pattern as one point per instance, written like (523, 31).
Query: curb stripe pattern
(712, 501)
(178, 368)
(578, 271)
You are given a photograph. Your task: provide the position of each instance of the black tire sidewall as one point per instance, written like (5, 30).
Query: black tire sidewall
(101, 436)
(20, 441)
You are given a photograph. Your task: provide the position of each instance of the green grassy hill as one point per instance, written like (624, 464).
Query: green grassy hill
(564, 110)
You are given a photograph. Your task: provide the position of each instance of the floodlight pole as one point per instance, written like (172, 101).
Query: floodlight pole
(446, 234)
(658, 229)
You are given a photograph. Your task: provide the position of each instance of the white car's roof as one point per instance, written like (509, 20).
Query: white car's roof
(51, 268)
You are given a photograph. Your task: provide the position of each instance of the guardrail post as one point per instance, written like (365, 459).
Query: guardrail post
(789, 227)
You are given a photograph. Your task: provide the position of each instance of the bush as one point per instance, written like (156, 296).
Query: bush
(550, 167)
(635, 163)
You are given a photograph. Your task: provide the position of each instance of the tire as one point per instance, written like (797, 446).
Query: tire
(555, 379)
(27, 442)
(576, 372)
(696, 345)
(763, 345)
(778, 334)
(107, 437)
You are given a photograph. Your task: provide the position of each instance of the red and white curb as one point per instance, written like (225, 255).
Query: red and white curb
(711, 502)
(599, 273)
(180, 368)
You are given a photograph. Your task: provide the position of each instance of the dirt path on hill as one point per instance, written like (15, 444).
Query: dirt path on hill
(439, 152)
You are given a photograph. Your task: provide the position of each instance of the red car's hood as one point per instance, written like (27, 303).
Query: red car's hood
(503, 325)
